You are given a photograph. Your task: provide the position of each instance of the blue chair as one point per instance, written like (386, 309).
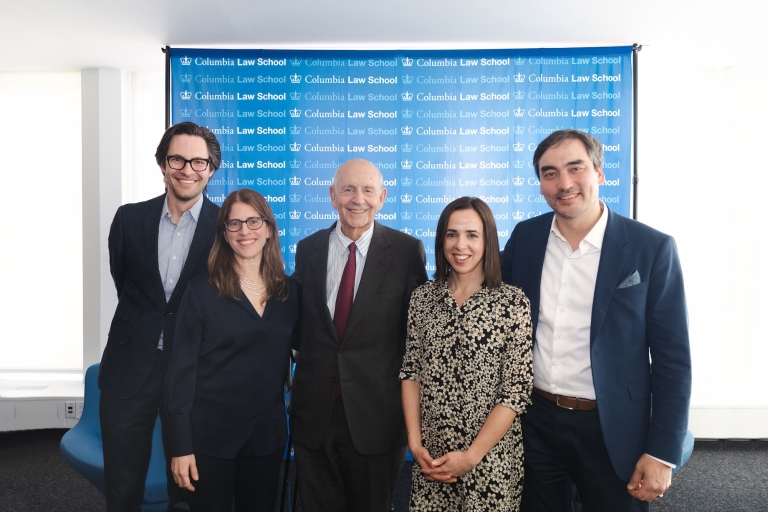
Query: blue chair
(687, 450)
(82, 449)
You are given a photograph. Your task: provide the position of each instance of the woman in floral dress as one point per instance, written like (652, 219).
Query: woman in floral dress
(467, 372)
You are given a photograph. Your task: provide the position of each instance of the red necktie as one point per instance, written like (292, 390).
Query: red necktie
(344, 301)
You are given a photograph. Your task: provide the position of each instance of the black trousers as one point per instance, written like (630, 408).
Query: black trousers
(338, 478)
(126, 432)
(250, 482)
(563, 446)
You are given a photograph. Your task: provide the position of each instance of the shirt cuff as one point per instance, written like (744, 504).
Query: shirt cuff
(673, 466)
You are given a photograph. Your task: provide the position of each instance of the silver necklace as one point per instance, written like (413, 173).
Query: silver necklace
(251, 285)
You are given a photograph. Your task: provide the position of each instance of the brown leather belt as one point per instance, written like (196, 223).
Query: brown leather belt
(568, 402)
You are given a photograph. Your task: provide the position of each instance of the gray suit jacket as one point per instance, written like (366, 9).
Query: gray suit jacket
(369, 356)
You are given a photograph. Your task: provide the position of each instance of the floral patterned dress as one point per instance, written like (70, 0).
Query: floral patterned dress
(467, 360)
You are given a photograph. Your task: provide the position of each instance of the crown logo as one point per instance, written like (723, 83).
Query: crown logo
(518, 112)
(295, 129)
(295, 198)
(406, 182)
(295, 95)
(295, 61)
(518, 164)
(185, 61)
(295, 180)
(407, 130)
(519, 77)
(518, 146)
(406, 198)
(519, 130)
(407, 231)
(294, 231)
(185, 95)
(295, 146)
(295, 215)
(186, 78)
(407, 62)
(407, 79)
(295, 78)
(406, 164)
(517, 215)
(518, 180)
(292, 248)
(407, 113)
(519, 95)
(295, 164)
(185, 112)
(407, 96)
(406, 147)
(519, 61)
(406, 215)
(518, 198)
(295, 113)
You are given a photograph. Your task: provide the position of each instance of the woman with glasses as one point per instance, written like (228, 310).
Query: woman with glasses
(467, 372)
(224, 385)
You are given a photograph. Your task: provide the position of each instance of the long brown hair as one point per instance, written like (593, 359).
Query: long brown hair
(491, 255)
(221, 262)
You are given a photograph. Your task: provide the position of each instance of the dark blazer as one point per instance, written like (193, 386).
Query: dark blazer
(224, 385)
(142, 312)
(643, 407)
(368, 359)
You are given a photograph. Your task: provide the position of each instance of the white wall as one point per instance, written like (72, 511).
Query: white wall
(40, 222)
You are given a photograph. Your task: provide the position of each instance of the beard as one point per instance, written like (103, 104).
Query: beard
(178, 194)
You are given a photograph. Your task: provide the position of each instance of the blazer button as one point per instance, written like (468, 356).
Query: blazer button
(340, 350)
(168, 313)
(154, 343)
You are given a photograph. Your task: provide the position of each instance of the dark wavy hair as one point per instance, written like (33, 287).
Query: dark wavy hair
(189, 128)
(491, 255)
(221, 262)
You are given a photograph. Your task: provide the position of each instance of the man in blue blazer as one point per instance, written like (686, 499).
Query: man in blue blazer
(155, 247)
(612, 370)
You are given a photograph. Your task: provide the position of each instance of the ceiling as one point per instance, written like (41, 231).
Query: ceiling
(56, 35)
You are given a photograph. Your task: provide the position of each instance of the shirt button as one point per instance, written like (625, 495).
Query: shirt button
(554, 388)
(558, 336)
(557, 363)
(565, 284)
(178, 234)
(175, 258)
(560, 309)
(171, 281)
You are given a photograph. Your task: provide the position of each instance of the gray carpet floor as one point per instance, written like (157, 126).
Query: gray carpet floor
(721, 476)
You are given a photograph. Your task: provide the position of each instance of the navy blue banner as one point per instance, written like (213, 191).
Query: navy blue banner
(438, 124)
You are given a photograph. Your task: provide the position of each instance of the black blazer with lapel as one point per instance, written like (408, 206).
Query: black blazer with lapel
(142, 312)
(224, 385)
(642, 402)
(369, 356)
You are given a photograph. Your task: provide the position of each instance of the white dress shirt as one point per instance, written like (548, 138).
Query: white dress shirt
(561, 359)
(338, 253)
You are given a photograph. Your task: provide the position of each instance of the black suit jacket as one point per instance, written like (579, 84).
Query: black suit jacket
(369, 356)
(224, 385)
(142, 312)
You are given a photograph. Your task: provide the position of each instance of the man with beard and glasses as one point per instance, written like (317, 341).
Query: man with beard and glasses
(155, 247)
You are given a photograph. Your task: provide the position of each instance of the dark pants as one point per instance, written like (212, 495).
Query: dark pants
(563, 446)
(126, 432)
(250, 482)
(337, 478)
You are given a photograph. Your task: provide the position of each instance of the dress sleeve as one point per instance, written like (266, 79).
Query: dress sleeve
(181, 376)
(517, 359)
(412, 359)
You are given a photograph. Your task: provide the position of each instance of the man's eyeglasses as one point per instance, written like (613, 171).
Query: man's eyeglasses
(253, 223)
(197, 164)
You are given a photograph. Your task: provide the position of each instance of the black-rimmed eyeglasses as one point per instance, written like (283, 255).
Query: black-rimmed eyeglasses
(197, 164)
(253, 223)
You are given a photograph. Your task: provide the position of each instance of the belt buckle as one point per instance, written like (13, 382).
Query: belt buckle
(565, 407)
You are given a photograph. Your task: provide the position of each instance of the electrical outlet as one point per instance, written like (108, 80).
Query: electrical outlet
(69, 409)
(78, 409)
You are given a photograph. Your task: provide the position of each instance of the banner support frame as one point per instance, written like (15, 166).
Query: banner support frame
(167, 52)
(635, 179)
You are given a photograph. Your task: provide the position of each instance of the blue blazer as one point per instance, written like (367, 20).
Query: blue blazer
(642, 403)
(224, 385)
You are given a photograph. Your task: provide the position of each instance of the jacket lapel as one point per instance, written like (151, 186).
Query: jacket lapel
(376, 265)
(205, 225)
(320, 263)
(151, 231)
(538, 250)
(612, 258)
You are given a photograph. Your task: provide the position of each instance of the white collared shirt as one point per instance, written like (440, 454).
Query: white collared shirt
(561, 358)
(338, 253)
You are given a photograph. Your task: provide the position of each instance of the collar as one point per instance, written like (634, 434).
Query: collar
(362, 243)
(595, 235)
(194, 211)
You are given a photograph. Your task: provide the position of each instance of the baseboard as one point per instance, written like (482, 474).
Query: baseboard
(35, 413)
(720, 422)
